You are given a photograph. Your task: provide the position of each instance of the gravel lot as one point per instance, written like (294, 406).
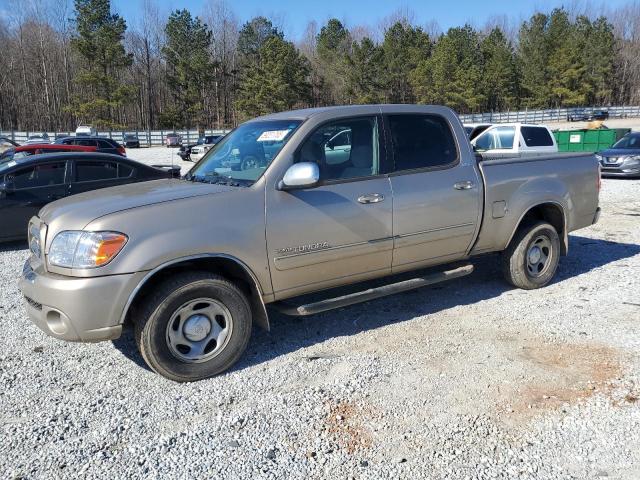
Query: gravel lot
(470, 379)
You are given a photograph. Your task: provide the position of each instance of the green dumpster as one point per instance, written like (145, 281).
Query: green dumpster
(588, 140)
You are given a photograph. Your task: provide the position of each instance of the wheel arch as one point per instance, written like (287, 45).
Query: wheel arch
(226, 265)
(548, 211)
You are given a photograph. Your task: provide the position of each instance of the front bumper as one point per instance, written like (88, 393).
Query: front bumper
(76, 309)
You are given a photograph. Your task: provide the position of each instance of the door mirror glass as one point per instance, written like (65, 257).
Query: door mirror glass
(300, 175)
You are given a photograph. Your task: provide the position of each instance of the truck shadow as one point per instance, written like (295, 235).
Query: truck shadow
(289, 334)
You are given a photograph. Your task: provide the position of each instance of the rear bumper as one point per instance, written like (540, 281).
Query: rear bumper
(76, 309)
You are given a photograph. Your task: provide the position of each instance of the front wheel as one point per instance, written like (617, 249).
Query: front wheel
(194, 326)
(531, 259)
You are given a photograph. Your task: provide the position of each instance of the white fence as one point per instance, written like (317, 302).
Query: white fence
(148, 138)
(157, 137)
(545, 116)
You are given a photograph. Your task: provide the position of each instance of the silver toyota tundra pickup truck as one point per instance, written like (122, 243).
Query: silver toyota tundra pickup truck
(288, 205)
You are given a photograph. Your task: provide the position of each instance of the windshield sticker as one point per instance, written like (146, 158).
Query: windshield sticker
(273, 136)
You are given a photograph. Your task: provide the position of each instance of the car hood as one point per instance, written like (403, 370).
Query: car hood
(77, 211)
(620, 152)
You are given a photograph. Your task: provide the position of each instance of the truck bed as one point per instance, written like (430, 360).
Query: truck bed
(512, 186)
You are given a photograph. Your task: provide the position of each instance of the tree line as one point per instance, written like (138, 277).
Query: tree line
(64, 64)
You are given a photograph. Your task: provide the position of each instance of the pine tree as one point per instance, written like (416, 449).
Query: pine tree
(500, 73)
(99, 43)
(187, 55)
(253, 36)
(404, 48)
(533, 54)
(453, 74)
(364, 82)
(333, 46)
(277, 81)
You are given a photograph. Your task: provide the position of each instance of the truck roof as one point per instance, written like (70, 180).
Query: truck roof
(306, 113)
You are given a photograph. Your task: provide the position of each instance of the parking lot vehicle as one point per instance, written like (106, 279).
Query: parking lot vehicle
(578, 115)
(475, 129)
(7, 144)
(29, 183)
(38, 138)
(173, 140)
(43, 148)
(101, 144)
(599, 115)
(86, 131)
(192, 263)
(509, 140)
(196, 151)
(623, 158)
(131, 140)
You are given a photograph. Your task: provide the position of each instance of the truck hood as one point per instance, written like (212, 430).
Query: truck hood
(76, 211)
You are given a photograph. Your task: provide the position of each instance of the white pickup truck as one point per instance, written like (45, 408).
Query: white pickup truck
(512, 140)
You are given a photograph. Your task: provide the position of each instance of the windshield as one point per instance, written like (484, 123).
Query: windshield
(628, 141)
(245, 153)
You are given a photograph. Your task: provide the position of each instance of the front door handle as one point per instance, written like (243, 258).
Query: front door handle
(466, 185)
(371, 198)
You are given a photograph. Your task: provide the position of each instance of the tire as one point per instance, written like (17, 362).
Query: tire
(162, 327)
(519, 265)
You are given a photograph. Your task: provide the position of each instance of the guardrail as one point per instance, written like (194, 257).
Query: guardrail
(149, 138)
(546, 116)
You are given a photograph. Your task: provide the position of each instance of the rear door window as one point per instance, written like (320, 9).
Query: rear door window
(93, 171)
(104, 144)
(421, 141)
(124, 171)
(85, 142)
(537, 137)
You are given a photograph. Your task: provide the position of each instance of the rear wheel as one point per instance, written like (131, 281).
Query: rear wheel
(194, 326)
(531, 259)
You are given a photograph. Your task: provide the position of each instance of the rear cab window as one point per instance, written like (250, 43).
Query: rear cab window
(421, 141)
(536, 137)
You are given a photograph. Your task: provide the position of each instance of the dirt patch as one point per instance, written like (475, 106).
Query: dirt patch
(345, 424)
(557, 375)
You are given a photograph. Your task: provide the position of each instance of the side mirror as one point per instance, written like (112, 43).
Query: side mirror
(300, 175)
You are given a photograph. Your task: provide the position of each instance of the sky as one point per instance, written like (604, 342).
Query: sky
(294, 15)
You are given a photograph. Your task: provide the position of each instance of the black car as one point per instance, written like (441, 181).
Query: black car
(185, 150)
(599, 115)
(579, 115)
(131, 140)
(103, 144)
(623, 158)
(28, 183)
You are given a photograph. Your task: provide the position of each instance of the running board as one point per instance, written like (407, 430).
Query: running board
(372, 293)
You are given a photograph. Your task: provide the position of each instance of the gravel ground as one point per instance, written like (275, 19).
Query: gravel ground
(465, 380)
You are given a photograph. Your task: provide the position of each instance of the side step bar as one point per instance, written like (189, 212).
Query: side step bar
(372, 293)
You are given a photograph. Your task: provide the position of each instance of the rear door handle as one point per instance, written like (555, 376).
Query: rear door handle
(466, 185)
(371, 198)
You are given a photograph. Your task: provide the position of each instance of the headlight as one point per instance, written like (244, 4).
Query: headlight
(598, 157)
(77, 249)
(632, 161)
